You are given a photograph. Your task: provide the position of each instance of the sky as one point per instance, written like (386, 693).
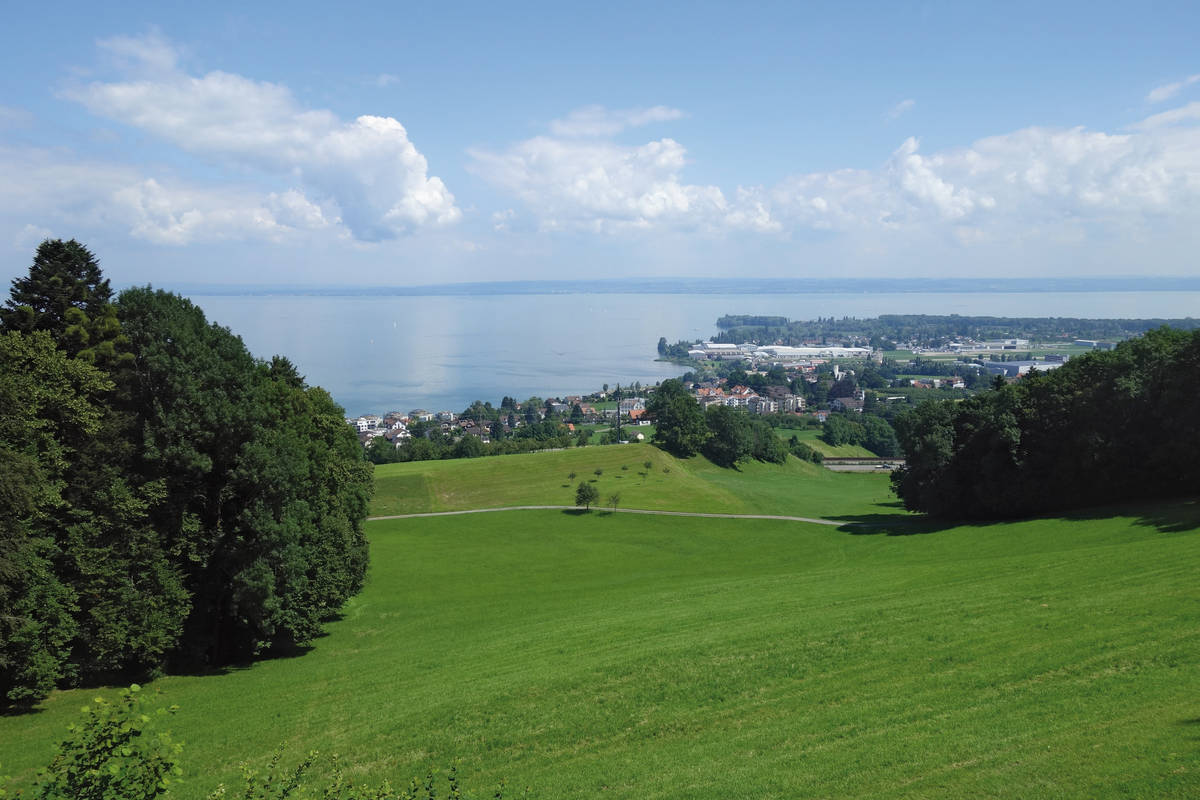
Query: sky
(401, 144)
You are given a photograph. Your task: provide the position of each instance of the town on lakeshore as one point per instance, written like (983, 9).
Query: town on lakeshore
(810, 377)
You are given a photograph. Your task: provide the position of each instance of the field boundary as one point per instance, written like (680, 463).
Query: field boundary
(812, 520)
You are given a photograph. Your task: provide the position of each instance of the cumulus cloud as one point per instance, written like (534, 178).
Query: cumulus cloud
(901, 108)
(1055, 182)
(1167, 91)
(367, 169)
(598, 121)
(76, 194)
(604, 186)
(578, 179)
(1005, 184)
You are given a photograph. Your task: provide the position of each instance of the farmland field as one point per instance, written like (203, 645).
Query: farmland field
(602, 654)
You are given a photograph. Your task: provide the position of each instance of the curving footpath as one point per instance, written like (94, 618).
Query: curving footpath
(813, 520)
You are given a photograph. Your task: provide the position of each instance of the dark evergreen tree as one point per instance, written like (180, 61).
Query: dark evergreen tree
(65, 295)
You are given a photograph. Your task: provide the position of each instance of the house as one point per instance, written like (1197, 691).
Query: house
(762, 405)
(847, 404)
(634, 407)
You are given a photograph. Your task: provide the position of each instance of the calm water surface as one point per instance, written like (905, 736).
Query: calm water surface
(377, 354)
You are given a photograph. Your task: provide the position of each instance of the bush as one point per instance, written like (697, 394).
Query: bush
(113, 753)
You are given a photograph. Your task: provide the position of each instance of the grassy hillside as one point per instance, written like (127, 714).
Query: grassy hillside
(649, 657)
(811, 437)
(671, 484)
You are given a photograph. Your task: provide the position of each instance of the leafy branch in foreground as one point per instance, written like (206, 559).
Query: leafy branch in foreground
(117, 753)
(114, 753)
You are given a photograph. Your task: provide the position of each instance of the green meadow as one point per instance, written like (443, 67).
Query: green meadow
(599, 654)
(812, 438)
(797, 488)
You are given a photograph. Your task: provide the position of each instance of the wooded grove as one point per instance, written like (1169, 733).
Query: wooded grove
(1105, 427)
(165, 497)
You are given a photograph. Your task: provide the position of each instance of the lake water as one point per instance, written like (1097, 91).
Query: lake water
(382, 353)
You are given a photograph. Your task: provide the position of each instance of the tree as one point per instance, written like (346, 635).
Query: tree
(679, 422)
(1106, 427)
(766, 446)
(614, 500)
(586, 494)
(729, 439)
(879, 438)
(43, 396)
(263, 485)
(840, 429)
(66, 295)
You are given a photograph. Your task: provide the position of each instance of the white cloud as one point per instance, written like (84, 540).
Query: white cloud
(366, 167)
(1169, 90)
(61, 192)
(31, 235)
(151, 54)
(1007, 185)
(603, 186)
(1059, 184)
(501, 219)
(1168, 118)
(901, 108)
(598, 121)
(386, 79)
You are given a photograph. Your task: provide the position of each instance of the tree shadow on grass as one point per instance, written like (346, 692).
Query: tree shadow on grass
(575, 512)
(893, 524)
(1167, 517)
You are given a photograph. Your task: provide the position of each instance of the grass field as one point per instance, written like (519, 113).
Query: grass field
(601, 654)
(694, 484)
(812, 438)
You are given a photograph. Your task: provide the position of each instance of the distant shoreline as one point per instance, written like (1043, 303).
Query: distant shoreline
(722, 286)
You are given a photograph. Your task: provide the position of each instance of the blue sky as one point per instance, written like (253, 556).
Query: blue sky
(433, 142)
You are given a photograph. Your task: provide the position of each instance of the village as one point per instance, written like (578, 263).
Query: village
(812, 380)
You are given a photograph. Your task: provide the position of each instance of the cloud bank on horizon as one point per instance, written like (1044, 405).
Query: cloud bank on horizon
(235, 159)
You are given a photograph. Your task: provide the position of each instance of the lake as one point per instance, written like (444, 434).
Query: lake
(383, 353)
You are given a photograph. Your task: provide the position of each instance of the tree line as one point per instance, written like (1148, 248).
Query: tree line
(931, 329)
(165, 497)
(724, 435)
(1105, 427)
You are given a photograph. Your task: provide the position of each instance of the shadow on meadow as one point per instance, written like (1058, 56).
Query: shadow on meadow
(1168, 517)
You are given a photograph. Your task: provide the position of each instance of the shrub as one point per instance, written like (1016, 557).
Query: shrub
(113, 753)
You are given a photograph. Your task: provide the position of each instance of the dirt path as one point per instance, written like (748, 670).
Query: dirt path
(812, 520)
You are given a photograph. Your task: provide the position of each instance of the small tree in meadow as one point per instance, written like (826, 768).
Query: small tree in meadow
(586, 494)
(614, 500)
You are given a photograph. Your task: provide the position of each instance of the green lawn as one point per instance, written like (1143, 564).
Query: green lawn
(693, 484)
(812, 438)
(660, 657)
